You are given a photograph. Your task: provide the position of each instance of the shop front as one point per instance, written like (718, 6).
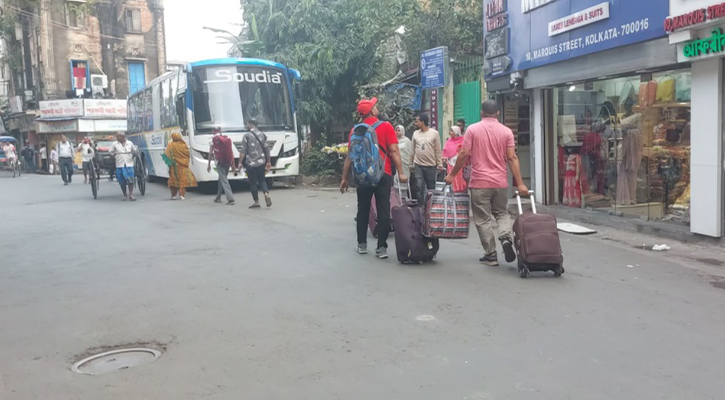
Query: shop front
(611, 107)
(696, 30)
(79, 118)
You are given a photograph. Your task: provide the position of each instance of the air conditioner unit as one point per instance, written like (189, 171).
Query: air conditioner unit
(99, 82)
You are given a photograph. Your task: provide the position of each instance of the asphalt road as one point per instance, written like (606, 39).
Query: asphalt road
(275, 304)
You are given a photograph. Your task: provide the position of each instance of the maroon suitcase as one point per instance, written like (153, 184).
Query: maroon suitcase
(395, 200)
(536, 238)
(410, 244)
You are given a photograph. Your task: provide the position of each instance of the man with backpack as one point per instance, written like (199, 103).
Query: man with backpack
(373, 150)
(254, 157)
(220, 150)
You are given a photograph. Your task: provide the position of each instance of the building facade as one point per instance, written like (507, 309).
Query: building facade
(601, 96)
(105, 49)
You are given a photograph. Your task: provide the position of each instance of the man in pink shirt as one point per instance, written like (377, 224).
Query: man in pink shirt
(490, 147)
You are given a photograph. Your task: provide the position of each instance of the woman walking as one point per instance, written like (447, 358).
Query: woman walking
(450, 156)
(177, 158)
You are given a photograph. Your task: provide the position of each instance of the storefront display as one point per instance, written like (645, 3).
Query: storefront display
(624, 145)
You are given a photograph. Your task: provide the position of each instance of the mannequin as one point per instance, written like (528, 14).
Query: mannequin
(630, 159)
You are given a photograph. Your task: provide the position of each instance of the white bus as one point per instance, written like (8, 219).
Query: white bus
(221, 93)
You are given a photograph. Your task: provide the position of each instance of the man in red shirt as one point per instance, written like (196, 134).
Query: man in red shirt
(388, 143)
(490, 147)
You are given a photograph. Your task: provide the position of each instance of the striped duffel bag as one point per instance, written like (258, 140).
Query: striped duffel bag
(447, 214)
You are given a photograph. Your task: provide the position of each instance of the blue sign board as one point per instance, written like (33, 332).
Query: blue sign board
(434, 68)
(545, 32)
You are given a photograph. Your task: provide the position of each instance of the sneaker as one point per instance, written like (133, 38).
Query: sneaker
(508, 250)
(182, 198)
(490, 260)
(362, 248)
(231, 203)
(173, 197)
(381, 253)
(65, 183)
(217, 200)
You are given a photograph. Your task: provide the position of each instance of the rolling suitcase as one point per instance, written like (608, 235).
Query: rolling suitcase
(536, 239)
(410, 244)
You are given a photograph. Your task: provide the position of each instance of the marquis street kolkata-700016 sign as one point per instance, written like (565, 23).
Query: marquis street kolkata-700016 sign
(546, 32)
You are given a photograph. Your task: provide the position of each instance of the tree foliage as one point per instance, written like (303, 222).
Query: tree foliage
(335, 43)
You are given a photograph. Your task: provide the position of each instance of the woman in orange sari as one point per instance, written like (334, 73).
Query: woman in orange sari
(180, 177)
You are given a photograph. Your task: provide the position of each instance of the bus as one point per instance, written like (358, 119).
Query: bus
(222, 93)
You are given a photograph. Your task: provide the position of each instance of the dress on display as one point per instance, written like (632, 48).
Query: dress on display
(630, 158)
(572, 184)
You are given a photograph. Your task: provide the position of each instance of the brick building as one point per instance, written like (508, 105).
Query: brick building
(91, 49)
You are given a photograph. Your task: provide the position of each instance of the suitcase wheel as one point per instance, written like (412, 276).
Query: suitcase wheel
(523, 270)
(559, 271)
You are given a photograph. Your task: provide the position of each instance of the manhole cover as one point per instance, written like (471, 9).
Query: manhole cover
(115, 360)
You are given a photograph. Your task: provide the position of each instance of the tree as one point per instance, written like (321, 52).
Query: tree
(335, 43)
(332, 42)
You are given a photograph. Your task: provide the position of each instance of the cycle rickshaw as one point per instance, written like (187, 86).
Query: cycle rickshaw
(140, 176)
(5, 161)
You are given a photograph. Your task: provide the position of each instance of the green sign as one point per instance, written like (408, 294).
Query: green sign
(700, 47)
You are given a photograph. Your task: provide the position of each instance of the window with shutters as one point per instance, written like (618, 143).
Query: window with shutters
(133, 20)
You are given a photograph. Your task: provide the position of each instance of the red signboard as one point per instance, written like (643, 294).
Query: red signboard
(695, 17)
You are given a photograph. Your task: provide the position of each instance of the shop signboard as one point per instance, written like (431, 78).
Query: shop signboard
(61, 108)
(434, 108)
(57, 126)
(86, 126)
(559, 30)
(104, 109)
(110, 125)
(687, 14)
(434, 68)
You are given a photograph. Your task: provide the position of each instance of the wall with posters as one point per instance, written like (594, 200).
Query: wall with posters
(522, 37)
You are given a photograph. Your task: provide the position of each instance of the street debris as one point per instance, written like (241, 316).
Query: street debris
(661, 247)
(630, 266)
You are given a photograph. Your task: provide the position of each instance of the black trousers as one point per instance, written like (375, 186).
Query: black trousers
(66, 168)
(257, 181)
(425, 179)
(382, 200)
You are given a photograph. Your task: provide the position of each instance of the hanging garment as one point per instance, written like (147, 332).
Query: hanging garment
(666, 89)
(628, 166)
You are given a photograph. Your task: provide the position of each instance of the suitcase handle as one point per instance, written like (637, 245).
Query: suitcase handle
(533, 202)
(400, 191)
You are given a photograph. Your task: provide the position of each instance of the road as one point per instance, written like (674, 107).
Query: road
(275, 304)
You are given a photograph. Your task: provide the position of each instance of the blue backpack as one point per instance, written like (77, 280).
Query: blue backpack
(368, 167)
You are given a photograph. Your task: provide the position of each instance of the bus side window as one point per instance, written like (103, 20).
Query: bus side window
(181, 112)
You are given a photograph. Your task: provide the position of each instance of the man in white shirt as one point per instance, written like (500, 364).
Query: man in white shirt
(11, 153)
(65, 159)
(87, 154)
(54, 161)
(44, 157)
(123, 151)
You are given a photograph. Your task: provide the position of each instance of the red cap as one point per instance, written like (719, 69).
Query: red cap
(364, 107)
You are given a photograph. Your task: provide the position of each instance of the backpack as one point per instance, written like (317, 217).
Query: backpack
(223, 153)
(368, 166)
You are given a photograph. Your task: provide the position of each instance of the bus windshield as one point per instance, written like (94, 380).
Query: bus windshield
(227, 96)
